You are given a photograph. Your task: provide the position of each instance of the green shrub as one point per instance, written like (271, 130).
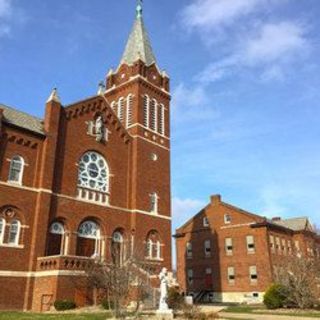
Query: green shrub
(274, 298)
(62, 305)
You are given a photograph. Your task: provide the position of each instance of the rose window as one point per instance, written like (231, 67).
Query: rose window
(93, 172)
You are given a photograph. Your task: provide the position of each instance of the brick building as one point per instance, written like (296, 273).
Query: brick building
(90, 175)
(227, 254)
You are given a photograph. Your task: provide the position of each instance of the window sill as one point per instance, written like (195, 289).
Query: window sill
(251, 252)
(189, 258)
(12, 246)
(154, 259)
(16, 183)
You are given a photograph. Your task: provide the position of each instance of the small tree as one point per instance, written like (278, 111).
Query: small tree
(300, 277)
(125, 279)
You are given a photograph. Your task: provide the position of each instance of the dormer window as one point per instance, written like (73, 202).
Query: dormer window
(227, 219)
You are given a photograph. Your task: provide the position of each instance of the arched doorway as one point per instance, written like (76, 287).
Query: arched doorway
(55, 239)
(88, 239)
(117, 248)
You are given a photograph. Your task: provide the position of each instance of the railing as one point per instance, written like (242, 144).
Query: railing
(63, 263)
(92, 195)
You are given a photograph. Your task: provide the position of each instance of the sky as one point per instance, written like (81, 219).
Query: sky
(244, 82)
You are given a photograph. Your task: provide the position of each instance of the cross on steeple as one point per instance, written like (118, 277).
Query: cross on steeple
(139, 9)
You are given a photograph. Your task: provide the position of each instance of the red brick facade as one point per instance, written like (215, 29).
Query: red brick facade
(236, 264)
(132, 142)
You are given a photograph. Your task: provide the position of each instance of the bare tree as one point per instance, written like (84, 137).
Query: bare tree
(124, 279)
(299, 277)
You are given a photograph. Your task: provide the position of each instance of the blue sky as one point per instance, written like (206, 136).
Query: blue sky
(244, 78)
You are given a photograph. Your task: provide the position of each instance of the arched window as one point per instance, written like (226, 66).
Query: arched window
(129, 110)
(146, 106)
(55, 239)
(153, 246)
(117, 248)
(161, 119)
(93, 172)
(14, 232)
(153, 115)
(88, 239)
(2, 229)
(16, 170)
(121, 109)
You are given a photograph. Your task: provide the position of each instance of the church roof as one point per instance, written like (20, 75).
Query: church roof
(22, 120)
(138, 45)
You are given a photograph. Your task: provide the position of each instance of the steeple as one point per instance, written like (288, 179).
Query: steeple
(138, 45)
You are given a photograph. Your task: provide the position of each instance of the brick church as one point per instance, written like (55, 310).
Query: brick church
(89, 175)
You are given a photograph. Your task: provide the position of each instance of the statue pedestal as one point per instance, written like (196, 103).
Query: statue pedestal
(164, 314)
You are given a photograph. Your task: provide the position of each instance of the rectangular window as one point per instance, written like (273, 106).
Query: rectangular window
(253, 274)
(229, 246)
(207, 248)
(250, 244)
(278, 245)
(205, 222)
(227, 218)
(189, 250)
(284, 246)
(289, 247)
(208, 271)
(272, 245)
(231, 275)
(190, 276)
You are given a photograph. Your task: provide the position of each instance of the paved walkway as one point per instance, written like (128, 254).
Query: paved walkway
(252, 316)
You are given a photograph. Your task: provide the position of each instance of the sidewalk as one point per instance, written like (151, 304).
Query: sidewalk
(252, 316)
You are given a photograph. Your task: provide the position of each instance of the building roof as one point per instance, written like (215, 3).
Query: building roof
(295, 224)
(22, 120)
(138, 45)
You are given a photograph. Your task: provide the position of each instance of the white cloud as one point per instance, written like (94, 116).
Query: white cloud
(184, 209)
(271, 51)
(5, 13)
(5, 8)
(189, 104)
(275, 42)
(210, 14)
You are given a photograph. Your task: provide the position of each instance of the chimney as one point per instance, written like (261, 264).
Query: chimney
(215, 199)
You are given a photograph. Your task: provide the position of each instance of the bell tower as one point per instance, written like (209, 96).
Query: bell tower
(138, 92)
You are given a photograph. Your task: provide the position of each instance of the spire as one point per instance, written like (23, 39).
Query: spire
(101, 89)
(138, 45)
(54, 96)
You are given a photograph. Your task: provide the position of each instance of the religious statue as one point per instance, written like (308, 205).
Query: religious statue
(163, 276)
(99, 128)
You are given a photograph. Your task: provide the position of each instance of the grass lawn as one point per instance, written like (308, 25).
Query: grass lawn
(34, 316)
(284, 312)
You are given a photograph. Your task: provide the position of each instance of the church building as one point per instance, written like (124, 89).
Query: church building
(88, 176)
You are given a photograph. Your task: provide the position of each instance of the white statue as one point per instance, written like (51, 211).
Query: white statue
(99, 126)
(163, 276)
